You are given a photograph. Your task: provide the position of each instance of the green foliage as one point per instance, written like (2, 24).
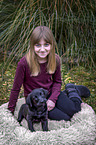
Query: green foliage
(81, 76)
(7, 84)
(73, 24)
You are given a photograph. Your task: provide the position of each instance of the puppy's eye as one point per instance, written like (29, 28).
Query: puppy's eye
(41, 93)
(35, 97)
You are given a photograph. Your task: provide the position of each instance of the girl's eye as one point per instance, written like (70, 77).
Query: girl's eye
(38, 45)
(46, 44)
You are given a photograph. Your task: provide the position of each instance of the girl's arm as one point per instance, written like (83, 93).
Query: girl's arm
(56, 88)
(18, 81)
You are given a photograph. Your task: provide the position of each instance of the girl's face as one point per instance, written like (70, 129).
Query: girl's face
(42, 49)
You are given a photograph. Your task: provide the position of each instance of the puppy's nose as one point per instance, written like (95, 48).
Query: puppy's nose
(43, 100)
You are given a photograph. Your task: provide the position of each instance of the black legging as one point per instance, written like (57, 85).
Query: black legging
(65, 108)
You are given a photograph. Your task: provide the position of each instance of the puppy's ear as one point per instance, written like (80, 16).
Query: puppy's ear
(45, 92)
(28, 100)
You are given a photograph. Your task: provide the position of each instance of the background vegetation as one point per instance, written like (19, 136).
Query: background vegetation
(73, 23)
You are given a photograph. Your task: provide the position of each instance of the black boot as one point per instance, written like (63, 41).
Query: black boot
(81, 90)
(72, 93)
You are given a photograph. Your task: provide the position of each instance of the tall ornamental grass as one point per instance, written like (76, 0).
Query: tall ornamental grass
(73, 23)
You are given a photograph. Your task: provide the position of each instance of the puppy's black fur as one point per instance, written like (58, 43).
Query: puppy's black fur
(35, 109)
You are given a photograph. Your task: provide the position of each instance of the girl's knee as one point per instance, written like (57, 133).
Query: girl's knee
(57, 114)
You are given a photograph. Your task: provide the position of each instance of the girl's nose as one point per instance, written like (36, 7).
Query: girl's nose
(42, 48)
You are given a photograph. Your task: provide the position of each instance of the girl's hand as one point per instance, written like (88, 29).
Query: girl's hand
(50, 105)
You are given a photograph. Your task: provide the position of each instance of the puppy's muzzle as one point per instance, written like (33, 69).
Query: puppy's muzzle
(41, 102)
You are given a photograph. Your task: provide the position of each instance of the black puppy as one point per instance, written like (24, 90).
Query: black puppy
(35, 109)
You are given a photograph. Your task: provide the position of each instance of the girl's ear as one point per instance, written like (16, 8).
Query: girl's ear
(28, 100)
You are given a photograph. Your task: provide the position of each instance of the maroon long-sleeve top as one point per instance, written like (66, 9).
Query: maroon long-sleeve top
(50, 82)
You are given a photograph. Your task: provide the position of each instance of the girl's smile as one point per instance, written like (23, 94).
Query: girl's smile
(42, 49)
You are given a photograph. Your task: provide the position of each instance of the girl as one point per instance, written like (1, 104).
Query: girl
(40, 68)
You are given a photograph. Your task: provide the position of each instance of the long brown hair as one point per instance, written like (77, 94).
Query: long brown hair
(38, 33)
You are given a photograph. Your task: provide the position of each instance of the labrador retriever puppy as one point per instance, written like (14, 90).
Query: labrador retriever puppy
(35, 109)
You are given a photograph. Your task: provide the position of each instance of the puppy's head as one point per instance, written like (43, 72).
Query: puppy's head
(37, 97)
